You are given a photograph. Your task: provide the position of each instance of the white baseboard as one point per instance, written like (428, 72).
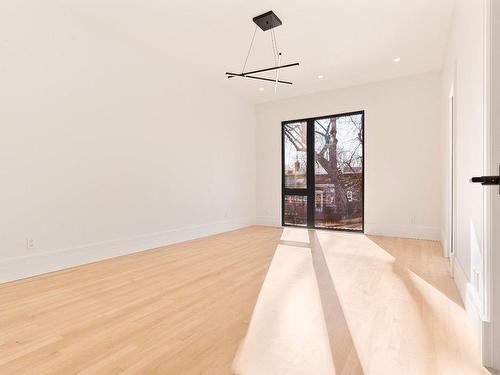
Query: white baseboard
(466, 290)
(36, 264)
(405, 231)
(40, 263)
(469, 298)
(390, 230)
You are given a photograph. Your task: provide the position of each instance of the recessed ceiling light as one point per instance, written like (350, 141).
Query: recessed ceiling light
(321, 76)
(261, 88)
(397, 59)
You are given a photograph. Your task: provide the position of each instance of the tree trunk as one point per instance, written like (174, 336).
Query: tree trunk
(330, 166)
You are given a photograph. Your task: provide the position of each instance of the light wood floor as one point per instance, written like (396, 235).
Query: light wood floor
(254, 301)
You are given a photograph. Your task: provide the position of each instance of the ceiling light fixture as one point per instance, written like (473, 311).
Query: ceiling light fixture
(261, 88)
(266, 21)
(397, 59)
(321, 76)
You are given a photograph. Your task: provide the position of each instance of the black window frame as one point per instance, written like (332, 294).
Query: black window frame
(310, 189)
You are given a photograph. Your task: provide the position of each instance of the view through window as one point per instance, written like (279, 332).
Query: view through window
(323, 172)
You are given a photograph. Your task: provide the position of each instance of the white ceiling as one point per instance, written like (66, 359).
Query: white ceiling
(350, 42)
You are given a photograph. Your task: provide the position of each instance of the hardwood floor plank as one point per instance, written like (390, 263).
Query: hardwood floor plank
(190, 308)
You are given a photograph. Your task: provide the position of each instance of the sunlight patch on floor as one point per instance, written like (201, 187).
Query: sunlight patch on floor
(365, 311)
(399, 321)
(296, 235)
(287, 333)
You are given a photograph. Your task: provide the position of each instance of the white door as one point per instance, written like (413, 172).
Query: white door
(491, 328)
(468, 243)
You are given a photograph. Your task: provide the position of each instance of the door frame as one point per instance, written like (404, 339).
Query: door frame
(310, 191)
(490, 339)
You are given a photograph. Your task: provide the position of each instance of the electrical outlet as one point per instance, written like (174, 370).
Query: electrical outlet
(30, 243)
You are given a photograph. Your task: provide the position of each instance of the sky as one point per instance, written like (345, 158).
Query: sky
(347, 135)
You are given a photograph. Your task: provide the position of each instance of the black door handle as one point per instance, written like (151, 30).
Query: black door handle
(487, 180)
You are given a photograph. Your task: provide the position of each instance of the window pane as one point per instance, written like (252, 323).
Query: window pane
(295, 155)
(296, 210)
(338, 173)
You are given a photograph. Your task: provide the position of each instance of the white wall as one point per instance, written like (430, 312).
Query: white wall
(463, 73)
(108, 148)
(466, 71)
(402, 152)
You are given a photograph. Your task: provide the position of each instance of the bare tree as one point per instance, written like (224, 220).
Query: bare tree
(296, 135)
(332, 157)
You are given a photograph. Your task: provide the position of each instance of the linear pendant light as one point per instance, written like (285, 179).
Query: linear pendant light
(266, 21)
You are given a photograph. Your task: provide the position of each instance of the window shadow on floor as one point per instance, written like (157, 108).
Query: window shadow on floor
(344, 354)
(298, 325)
(424, 258)
(422, 269)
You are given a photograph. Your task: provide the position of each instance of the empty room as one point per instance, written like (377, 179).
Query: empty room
(250, 187)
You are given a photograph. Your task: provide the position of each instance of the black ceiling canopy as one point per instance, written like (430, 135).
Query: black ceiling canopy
(266, 21)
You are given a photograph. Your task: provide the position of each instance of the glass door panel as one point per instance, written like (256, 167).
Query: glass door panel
(338, 172)
(295, 150)
(322, 172)
(296, 210)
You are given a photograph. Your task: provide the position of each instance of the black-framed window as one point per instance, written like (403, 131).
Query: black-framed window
(323, 172)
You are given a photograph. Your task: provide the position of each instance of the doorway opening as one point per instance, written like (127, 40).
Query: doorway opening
(323, 172)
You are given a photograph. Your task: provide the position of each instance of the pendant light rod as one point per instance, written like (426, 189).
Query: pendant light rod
(268, 69)
(231, 75)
